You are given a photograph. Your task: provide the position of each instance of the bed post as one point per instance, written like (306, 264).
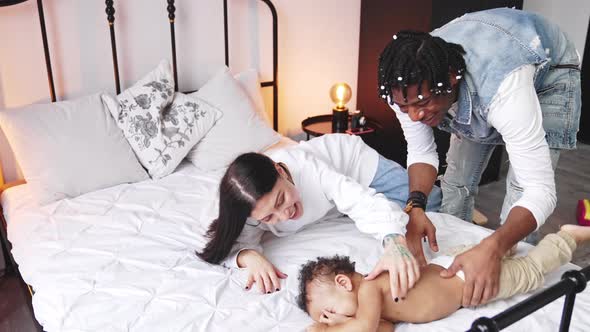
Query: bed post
(110, 10)
(275, 64)
(46, 50)
(572, 282)
(275, 59)
(171, 17)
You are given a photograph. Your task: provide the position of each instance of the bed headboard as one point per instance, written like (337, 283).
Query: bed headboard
(171, 9)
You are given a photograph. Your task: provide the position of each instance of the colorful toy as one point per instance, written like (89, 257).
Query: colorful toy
(583, 212)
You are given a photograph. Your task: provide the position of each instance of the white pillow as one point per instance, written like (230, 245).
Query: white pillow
(240, 129)
(251, 84)
(69, 148)
(160, 132)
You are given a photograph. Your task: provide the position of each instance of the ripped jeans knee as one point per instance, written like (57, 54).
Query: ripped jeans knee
(458, 200)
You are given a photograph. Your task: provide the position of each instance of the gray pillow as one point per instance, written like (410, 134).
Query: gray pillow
(69, 148)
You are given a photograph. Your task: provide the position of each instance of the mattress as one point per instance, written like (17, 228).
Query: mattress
(123, 259)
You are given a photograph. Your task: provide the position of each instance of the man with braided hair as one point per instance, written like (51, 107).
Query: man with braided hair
(499, 76)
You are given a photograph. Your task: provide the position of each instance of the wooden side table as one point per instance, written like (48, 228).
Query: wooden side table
(322, 124)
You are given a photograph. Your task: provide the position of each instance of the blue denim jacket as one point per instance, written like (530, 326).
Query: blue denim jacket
(497, 42)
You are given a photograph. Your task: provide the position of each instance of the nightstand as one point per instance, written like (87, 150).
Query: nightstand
(322, 124)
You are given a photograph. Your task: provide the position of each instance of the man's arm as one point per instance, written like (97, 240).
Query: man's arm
(518, 117)
(422, 177)
(422, 170)
(516, 114)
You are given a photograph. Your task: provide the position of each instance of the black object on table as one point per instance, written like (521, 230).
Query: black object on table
(322, 124)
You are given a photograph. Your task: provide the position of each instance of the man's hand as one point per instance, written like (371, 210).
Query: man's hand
(481, 266)
(398, 260)
(419, 227)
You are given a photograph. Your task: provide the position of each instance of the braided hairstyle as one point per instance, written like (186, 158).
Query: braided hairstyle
(412, 57)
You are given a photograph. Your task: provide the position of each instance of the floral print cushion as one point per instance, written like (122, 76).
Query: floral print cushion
(160, 125)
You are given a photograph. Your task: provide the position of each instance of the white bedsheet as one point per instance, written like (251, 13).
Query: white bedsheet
(122, 259)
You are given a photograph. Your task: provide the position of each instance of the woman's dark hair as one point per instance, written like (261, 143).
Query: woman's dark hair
(321, 267)
(412, 57)
(248, 178)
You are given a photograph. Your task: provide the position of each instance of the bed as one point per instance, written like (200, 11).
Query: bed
(123, 258)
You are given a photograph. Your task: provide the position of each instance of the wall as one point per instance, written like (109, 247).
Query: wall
(571, 16)
(318, 46)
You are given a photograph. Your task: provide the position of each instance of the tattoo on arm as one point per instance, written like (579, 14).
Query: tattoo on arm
(393, 246)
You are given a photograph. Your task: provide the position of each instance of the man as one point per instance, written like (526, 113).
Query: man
(499, 76)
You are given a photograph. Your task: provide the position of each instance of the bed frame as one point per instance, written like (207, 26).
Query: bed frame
(572, 282)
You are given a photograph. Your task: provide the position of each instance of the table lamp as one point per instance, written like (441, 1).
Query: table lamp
(340, 94)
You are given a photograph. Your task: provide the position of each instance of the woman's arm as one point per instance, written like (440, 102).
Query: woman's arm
(248, 239)
(374, 214)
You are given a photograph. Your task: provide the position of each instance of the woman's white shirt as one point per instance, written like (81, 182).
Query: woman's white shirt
(330, 171)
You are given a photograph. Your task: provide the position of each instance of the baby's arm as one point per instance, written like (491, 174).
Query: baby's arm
(385, 326)
(368, 314)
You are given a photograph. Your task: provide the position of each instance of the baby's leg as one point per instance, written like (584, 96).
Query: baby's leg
(523, 274)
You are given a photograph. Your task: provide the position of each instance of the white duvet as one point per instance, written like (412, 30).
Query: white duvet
(122, 259)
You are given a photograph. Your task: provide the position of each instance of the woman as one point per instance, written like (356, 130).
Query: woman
(296, 186)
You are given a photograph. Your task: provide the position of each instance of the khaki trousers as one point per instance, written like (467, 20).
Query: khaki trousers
(526, 273)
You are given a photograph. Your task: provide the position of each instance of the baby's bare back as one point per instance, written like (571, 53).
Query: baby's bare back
(431, 298)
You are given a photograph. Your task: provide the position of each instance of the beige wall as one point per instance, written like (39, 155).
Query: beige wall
(571, 16)
(318, 46)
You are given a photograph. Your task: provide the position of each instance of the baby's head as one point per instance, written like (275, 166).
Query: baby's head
(327, 284)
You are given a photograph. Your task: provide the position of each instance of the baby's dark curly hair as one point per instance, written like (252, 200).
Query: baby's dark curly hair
(321, 267)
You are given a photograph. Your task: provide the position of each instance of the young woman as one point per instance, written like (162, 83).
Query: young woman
(296, 186)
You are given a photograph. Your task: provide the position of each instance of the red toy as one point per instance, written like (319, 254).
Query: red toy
(583, 212)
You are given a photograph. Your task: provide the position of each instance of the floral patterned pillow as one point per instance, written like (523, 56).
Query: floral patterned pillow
(161, 126)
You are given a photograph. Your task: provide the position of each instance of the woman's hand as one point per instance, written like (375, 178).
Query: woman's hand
(331, 318)
(260, 271)
(418, 227)
(398, 260)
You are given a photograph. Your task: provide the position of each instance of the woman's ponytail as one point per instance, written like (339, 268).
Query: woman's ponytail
(248, 178)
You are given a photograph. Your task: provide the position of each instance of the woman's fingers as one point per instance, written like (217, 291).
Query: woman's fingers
(260, 283)
(280, 274)
(267, 283)
(276, 283)
(375, 273)
(403, 281)
(394, 285)
(249, 282)
(411, 275)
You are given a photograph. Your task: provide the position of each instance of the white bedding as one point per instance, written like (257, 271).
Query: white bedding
(122, 259)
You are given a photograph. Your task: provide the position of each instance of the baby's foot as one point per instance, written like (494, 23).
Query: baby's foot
(580, 234)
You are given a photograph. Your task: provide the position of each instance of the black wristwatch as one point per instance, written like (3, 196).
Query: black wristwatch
(416, 199)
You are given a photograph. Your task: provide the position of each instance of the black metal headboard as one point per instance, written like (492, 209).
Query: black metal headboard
(110, 11)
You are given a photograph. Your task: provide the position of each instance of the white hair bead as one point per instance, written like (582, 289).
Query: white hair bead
(420, 97)
(383, 87)
(394, 37)
(439, 84)
(399, 78)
